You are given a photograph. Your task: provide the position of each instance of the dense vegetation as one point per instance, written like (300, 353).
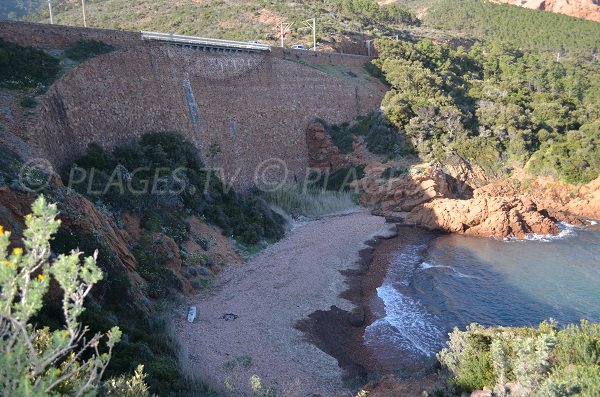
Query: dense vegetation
(256, 20)
(86, 49)
(14, 9)
(495, 106)
(377, 132)
(531, 30)
(163, 179)
(464, 19)
(546, 361)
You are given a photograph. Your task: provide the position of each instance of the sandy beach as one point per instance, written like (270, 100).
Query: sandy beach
(246, 319)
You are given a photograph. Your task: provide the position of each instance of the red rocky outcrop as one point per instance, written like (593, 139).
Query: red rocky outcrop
(484, 216)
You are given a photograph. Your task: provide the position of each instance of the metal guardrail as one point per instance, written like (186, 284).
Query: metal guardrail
(205, 42)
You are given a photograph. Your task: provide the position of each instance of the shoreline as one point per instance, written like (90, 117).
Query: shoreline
(279, 288)
(338, 332)
(341, 333)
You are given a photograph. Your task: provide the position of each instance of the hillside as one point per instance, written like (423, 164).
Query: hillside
(342, 25)
(14, 9)
(531, 30)
(586, 9)
(171, 158)
(239, 20)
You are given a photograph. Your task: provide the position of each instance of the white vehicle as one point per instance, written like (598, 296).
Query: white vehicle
(298, 47)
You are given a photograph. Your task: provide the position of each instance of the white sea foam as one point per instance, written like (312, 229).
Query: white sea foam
(426, 265)
(406, 324)
(565, 230)
(593, 223)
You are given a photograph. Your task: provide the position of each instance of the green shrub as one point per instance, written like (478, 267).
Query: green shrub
(375, 71)
(172, 165)
(543, 361)
(38, 361)
(153, 269)
(362, 124)
(385, 140)
(341, 137)
(86, 49)
(339, 180)
(26, 67)
(28, 102)
(379, 134)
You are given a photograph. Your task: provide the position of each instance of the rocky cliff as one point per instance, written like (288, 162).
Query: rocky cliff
(458, 199)
(586, 9)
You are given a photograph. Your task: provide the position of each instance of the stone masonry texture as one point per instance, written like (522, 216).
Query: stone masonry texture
(255, 107)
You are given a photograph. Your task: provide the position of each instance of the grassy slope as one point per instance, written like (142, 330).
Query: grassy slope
(231, 19)
(524, 28)
(260, 19)
(18, 8)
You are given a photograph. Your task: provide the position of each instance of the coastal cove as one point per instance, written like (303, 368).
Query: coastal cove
(412, 289)
(247, 321)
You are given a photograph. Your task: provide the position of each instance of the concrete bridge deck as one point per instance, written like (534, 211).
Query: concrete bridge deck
(205, 43)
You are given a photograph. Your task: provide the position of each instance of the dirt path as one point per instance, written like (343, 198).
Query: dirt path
(283, 284)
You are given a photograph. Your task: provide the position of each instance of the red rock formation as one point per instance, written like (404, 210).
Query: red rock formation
(586, 9)
(217, 246)
(323, 154)
(567, 201)
(402, 193)
(439, 198)
(484, 216)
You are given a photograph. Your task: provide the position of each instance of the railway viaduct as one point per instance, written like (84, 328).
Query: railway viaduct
(250, 101)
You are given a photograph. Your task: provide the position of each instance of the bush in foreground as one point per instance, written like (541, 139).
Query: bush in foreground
(541, 361)
(44, 362)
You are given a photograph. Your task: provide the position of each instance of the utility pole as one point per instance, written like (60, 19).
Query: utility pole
(312, 24)
(83, 8)
(50, 9)
(314, 34)
(285, 27)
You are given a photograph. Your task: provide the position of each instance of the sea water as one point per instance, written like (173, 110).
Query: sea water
(437, 282)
